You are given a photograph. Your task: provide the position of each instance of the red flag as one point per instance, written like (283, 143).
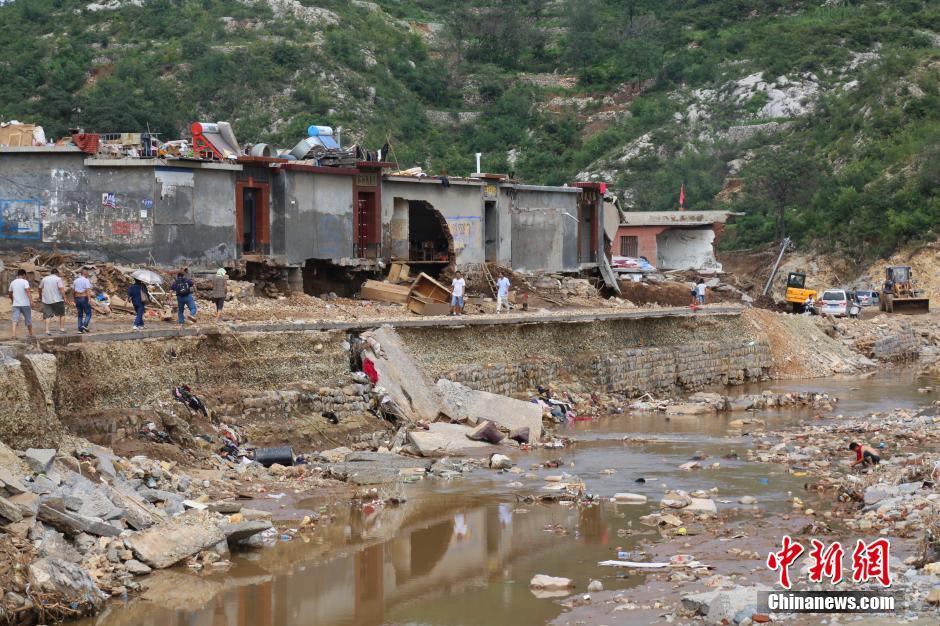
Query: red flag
(682, 196)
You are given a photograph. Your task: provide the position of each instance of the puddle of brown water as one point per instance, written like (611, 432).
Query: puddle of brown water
(461, 552)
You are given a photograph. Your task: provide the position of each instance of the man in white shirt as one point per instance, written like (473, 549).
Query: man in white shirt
(52, 293)
(502, 293)
(458, 286)
(20, 296)
(700, 291)
(81, 291)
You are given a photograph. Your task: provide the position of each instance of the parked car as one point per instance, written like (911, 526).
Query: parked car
(867, 298)
(834, 302)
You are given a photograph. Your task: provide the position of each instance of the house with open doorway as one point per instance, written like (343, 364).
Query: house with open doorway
(672, 240)
(436, 222)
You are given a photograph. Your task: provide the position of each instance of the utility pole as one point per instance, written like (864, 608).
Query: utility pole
(784, 246)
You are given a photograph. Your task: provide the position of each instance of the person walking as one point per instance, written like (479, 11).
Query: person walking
(700, 291)
(138, 295)
(458, 285)
(219, 289)
(20, 297)
(183, 288)
(81, 293)
(502, 293)
(52, 295)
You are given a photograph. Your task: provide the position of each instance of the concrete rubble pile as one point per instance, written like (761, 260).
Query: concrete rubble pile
(447, 417)
(87, 523)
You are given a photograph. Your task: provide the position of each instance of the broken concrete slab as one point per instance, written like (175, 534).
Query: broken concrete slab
(9, 511)
(11, 482)
(404, 382)
(443, 438)
(244, 529)
(40, 459)
(137, 568)
(386, 459)
(55, 515)
(28, 503)
(702, 505)
(179, 538)
(464, 403)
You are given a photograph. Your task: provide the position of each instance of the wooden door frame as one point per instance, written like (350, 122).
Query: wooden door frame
(263, 218)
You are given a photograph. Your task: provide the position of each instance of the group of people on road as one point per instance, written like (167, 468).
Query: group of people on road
(459, 288)
(52, 293)
(52, 296)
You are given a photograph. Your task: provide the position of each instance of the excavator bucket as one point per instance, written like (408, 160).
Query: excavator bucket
(911, 306)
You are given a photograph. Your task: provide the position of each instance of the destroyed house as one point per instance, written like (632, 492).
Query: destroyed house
(316, 225)
(436, 221)
(671, 240)
(171, 212)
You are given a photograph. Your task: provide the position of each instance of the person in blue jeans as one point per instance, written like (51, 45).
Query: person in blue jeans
(183, 288)
(137, 292)
(81, 291)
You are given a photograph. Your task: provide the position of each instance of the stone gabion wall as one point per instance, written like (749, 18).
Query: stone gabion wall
(901, 346)
(344, 401)
(632, 371)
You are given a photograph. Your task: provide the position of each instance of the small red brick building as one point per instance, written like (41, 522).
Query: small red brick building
(671, 240)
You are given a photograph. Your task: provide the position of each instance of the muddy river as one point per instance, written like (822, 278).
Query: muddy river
(462, 551)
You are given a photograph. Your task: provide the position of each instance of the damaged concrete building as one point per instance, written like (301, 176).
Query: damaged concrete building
(318, 224)
(672, 240)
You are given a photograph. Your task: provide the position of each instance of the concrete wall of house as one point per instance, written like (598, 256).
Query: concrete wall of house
(686, 248)
(544, 228)
(646, 240)
(312, 216)
(193, 224)
(461, 205)
(126, 211)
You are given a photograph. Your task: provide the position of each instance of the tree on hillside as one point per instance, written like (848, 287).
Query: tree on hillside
(584, 33)
(783, 180)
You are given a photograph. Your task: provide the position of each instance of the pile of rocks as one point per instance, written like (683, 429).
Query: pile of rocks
(87, 523)
(704, 403)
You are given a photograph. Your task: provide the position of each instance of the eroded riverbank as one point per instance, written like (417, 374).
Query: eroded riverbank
(462, 550)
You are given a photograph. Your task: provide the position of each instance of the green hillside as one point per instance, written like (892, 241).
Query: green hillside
(817, 119)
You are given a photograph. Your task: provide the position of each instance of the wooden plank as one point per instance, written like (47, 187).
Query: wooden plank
(384, 292)
(430, 289)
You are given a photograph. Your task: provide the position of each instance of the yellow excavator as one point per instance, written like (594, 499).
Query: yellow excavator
(900, 293)
(797, 293)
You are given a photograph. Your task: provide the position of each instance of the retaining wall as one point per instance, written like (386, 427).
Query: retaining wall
(624, 356)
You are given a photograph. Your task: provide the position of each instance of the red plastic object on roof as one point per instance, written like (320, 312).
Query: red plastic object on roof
(87, 142)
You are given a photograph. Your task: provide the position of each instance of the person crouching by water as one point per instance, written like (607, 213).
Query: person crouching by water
(219, 288)
(866, 456)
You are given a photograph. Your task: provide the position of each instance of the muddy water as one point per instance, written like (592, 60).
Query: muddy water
(462, 551)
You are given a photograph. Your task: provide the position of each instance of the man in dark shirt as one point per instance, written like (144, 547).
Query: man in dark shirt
(183, 288)
(137, 294)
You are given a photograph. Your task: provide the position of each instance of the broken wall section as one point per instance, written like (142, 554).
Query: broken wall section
(27, 419)
(105, 375)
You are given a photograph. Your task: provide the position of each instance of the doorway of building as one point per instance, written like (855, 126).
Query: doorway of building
(252, 218)
(430, 242)
(490, 232)
(368, 238)
(587, 231)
